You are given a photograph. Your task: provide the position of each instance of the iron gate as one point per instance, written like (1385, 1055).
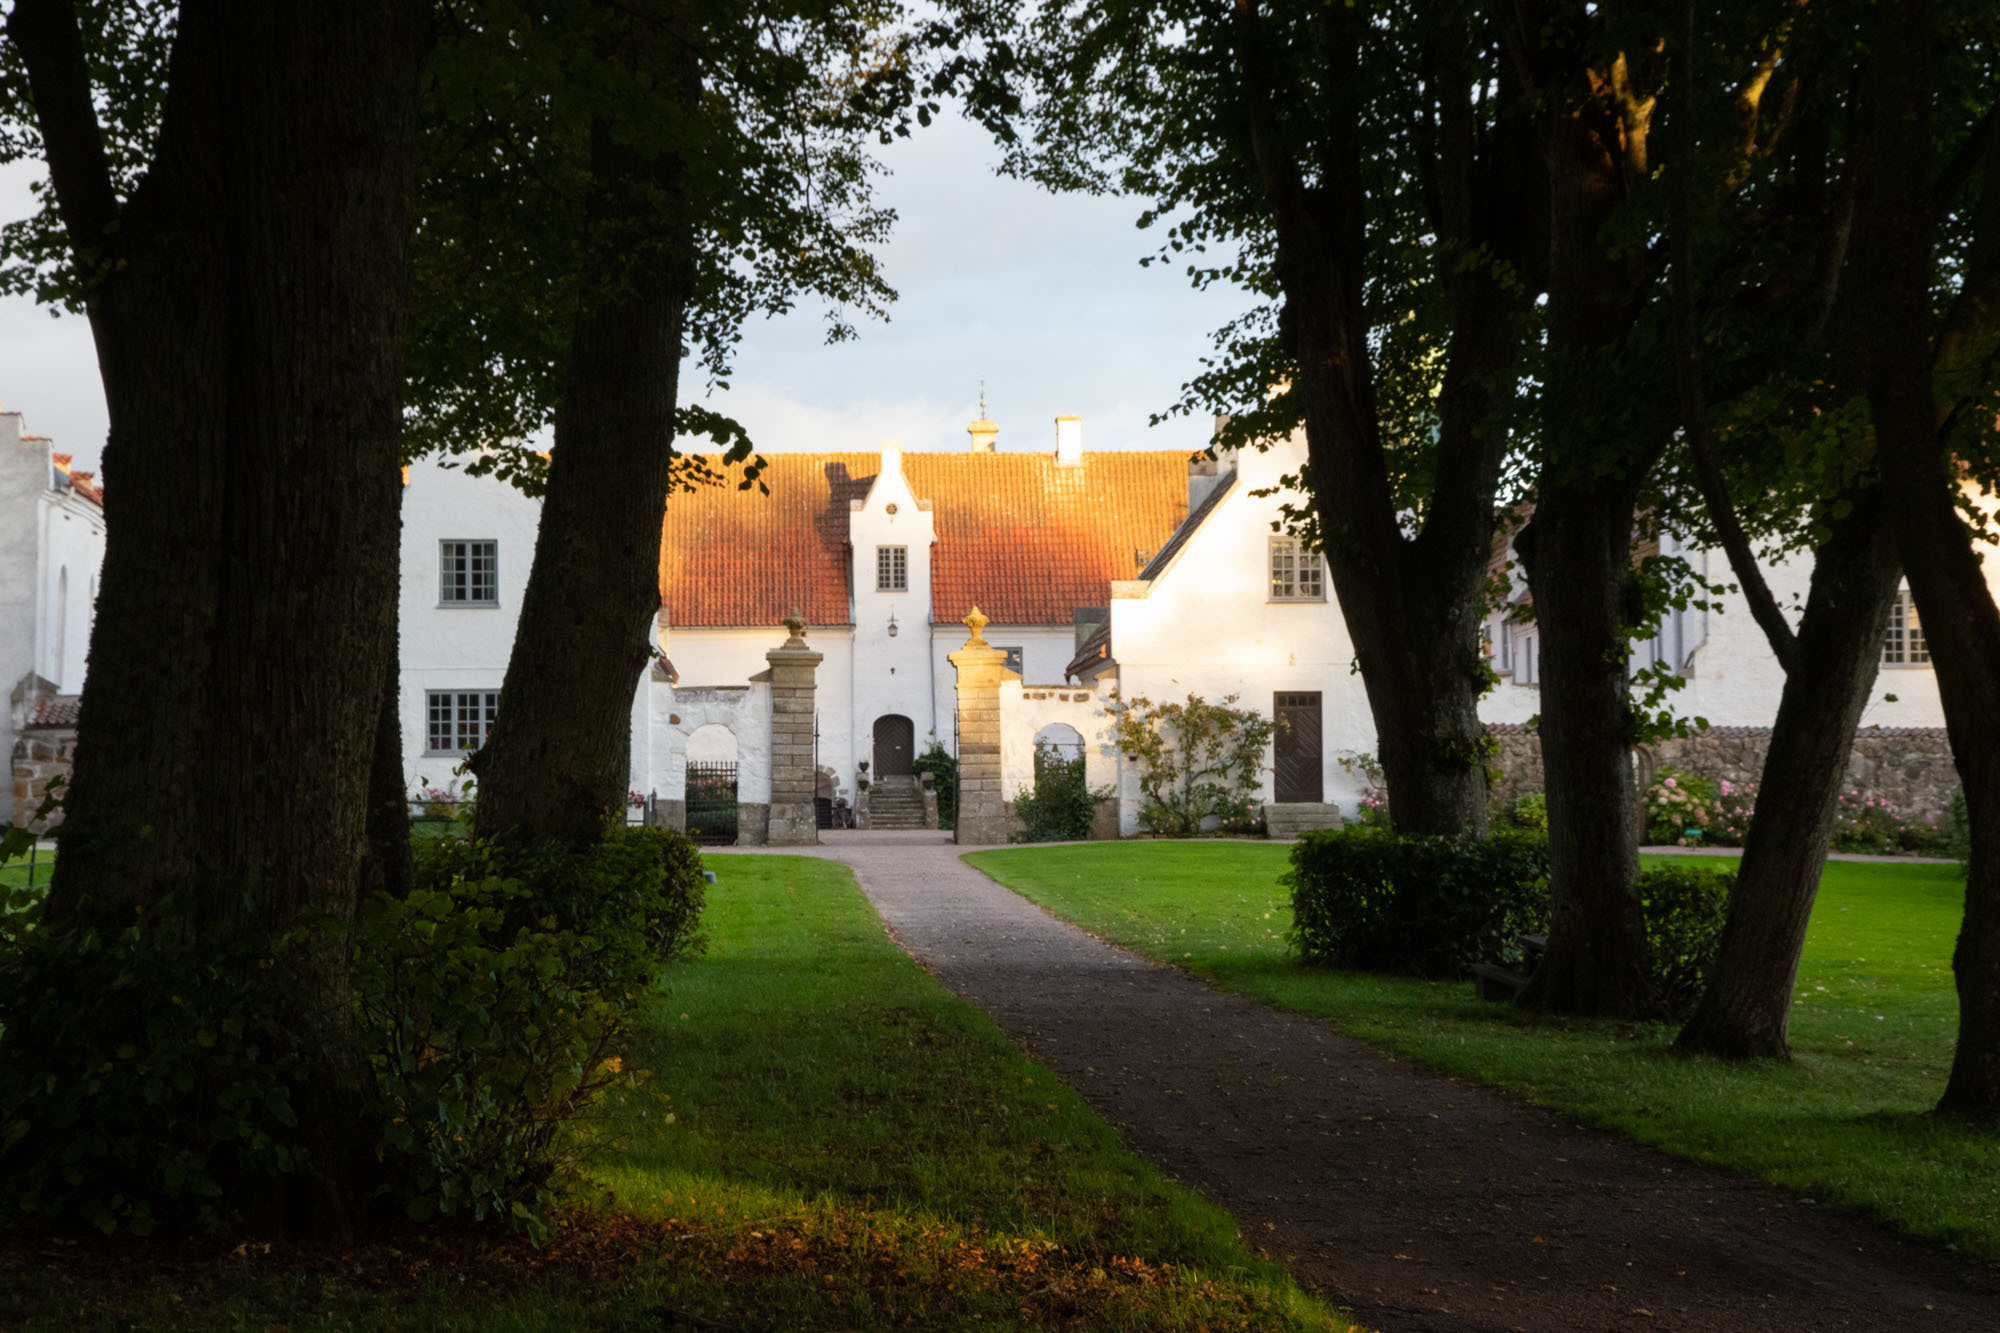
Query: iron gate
(711, 803)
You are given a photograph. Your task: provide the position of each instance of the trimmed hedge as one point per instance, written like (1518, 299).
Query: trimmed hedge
(1684, 909)
(1368, 899)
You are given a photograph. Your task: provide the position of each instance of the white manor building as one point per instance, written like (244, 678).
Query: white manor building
(51, 548)
(1154, 574)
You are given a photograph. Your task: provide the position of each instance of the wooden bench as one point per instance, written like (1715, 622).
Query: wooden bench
(1490, 981)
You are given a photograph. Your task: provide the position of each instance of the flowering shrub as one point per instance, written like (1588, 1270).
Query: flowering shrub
(1735, 806)
(1872, 824)
(1374, 808)
(1679, 808)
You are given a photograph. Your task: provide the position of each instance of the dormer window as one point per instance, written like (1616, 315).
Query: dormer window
(892, 569)
(468, 573)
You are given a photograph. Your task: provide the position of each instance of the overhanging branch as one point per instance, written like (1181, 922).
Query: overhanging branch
(51, 46)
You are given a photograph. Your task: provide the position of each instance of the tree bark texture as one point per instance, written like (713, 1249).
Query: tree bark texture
(1577, 551)
(1745, 1013)
(559, 760)
(1897, 239)
(1598, 444)
(250, 326)
(1413, 606)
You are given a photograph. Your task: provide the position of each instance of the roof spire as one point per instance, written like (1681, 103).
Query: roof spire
(983, 431)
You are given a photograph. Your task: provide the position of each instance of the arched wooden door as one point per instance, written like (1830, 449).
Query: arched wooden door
(895, 746)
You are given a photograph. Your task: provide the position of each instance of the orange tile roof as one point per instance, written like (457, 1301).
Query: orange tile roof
(1026, 540)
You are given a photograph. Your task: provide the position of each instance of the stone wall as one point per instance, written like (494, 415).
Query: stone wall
(40, 755)
(1910, 766)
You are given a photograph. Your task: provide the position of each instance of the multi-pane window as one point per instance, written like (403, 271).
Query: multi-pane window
(892, 569)
(1295, 572)
(469, 573)
(1903, 644)
(460, 720)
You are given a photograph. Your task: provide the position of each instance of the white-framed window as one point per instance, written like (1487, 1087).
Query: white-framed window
(1527, 670)
(1013, 662)
(1903, 643)
(459, 721)
(892, 569)
(1296, 573)
(468, 573)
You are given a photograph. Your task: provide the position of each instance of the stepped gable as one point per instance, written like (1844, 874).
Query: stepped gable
(1024, 538)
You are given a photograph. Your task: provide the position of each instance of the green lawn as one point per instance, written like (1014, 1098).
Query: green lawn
(1872, 1029)
(14, 874)
(844, 1145)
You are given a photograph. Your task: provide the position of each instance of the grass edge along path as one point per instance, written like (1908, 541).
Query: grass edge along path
(838, 1143)
(1845, 1123)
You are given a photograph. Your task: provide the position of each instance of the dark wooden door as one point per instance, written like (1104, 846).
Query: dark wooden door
(895, 741)
(1296, 746)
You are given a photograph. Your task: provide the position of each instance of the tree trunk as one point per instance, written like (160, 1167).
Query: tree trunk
(1577, 551)
(1601, 407)
(1961, 623)
(559, 760)
(1745, 1013)
(1412, 606)
(250, 337)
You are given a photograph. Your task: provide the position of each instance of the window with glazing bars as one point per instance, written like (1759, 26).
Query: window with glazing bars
(1903, 643)
(1295, 572)
(892, 569)
(460, 720)
(469, 573)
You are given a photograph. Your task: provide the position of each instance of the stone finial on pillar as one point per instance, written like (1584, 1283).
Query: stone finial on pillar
(981, 668)
(794, 783)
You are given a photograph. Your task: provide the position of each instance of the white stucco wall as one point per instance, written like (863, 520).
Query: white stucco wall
(715, 656)
(1206, 625)
(1045, 651)
(743, 710)
(1025, 709)
(72, 544)
(891, 673)
(1732, 678)
(51, 552)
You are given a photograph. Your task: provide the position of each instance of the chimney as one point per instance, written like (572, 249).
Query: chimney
(1069, 441)
(983, 433)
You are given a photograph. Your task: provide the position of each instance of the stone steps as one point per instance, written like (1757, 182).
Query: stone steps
(894, 804)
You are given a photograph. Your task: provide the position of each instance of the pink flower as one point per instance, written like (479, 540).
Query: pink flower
(1668, 782)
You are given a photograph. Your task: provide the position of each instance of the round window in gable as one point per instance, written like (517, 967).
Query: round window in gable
(889, 508)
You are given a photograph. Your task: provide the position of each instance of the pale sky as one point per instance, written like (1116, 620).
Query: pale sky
(1041, 296)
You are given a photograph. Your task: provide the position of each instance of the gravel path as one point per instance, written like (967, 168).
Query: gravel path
(1419, 1202)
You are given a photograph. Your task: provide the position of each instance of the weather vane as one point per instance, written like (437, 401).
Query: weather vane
(982, 398)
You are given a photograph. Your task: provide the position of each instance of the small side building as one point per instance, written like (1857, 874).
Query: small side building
(51, 549)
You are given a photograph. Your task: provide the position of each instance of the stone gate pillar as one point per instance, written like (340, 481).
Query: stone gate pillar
(981, 668)
(794, 821)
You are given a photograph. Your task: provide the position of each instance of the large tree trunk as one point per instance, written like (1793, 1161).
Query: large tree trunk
(559, 760)
(1598, 443)
(1577, 551)
(1745, 1012)
(1412, 606)
(250, 335)
(1961, 623)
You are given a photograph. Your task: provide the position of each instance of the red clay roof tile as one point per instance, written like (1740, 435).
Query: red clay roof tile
(1026, 540)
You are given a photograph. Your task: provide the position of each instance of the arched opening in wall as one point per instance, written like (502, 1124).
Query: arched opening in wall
(711, 786)
(895, 746)
(1060, 739)
(61, 627)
